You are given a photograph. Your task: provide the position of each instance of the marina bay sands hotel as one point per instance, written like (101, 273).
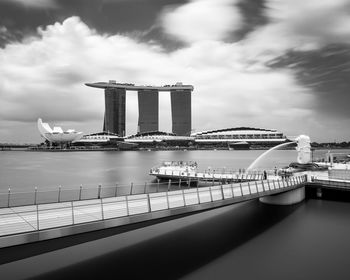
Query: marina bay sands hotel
(115, 106)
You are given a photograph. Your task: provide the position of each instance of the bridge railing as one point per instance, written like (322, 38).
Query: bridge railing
(44, 216)
(345, 184)
(42, 195)
(209, 174)
(14, 197)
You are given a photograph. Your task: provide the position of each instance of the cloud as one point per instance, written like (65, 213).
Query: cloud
(201, 20)
(36, 4)
(300, 26)
(43, 77)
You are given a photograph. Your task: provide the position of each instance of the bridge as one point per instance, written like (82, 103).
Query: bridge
(30, 223)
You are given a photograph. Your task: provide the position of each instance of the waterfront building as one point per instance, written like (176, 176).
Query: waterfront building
(234, 136)
(115, 110)
(99, 138)
(157, 137)
(57, 135)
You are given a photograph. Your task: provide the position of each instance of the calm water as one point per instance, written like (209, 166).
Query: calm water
(25, 170)
(244, 241)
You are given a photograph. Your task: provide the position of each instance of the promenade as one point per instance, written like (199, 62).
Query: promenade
(129, 209)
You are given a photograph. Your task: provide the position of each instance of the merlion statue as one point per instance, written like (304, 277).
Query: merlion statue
(303, 149)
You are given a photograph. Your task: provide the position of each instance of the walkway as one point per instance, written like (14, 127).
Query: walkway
(137, 208)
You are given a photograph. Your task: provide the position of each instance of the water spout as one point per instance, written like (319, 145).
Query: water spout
(251, 166)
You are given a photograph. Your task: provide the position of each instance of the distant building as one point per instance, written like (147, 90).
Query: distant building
(115, 109)
(99, 138)
(240, 136)
(57, 135)
(158, 137)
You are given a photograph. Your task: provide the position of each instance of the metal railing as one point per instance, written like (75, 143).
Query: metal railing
(209, 174)
(12, 198)
(44, 216)
(329, 183)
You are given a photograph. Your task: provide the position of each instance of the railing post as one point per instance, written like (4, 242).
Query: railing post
(169, 184)
(222, 192)
(167, 199)
(59, 194)
(268, 184)
(279, 184)
(211, 195)
(145, 188)
(189, 183)
(80, 189)
(263, 186)
(183, 197)
(102, 213)
(131, 187)
(99, 191)
(116, 190)
(149, 203)
(256, 185)
(240, 185)
(180, 183)
(35, 194)
(127, 205)
(9, 197)
(198, 196)
(274, 186)
(250, 191)
(72, 212)
(37, 217)
(158, 185)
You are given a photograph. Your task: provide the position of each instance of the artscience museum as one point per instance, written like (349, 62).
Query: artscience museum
(57, 135)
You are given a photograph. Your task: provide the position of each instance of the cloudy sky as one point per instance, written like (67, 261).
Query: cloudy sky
(281, 64)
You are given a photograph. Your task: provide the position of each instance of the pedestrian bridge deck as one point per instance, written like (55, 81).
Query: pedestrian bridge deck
(122, 210)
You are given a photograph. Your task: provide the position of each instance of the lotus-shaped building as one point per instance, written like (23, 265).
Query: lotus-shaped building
(57, 135)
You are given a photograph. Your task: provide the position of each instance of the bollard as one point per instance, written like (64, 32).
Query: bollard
(99, 191)
(35, 194)
(80, 189)
(59, 194)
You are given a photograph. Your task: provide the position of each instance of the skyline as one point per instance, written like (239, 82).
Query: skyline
(269, 64)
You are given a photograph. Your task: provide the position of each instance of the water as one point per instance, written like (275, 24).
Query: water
(244, 241)
(26, 170)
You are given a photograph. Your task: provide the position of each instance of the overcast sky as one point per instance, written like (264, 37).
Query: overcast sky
(281, 64)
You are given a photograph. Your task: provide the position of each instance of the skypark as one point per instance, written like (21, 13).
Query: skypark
(127, 86)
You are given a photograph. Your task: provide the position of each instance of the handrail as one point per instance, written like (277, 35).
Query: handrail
(44, 216)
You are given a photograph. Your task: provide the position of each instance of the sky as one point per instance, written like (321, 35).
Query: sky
(281, 64)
